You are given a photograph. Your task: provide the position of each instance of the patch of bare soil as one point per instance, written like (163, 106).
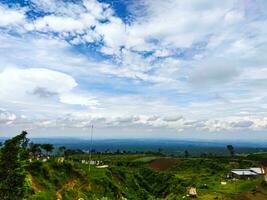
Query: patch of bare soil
(36, 186)
(163, 164)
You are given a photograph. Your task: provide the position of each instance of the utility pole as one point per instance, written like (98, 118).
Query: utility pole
(90, 150)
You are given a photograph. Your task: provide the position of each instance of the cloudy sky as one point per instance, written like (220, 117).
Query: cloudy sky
(134, 68)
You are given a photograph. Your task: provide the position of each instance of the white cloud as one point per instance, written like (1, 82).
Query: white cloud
(7, 117)
(75, 99)
(41, 87)
(58, 24)
(98, 10)
(182, 57)
(210, 75)
(19, 83)
(114, 34)
(172, 118)
(74, 20)
(179, 23)
(11, 17)
(233, 17)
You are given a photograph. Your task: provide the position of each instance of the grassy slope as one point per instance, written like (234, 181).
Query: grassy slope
(131, 177)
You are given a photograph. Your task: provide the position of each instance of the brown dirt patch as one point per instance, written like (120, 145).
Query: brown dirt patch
(67, 186)
(163, 164)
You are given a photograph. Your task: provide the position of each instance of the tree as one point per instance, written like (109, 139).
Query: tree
(13, 158)
(118, 151)
(62, 150)
(48, 148)
(231, 150)
(203, 155)
(35, 149)
(160, 150)
(186, 154)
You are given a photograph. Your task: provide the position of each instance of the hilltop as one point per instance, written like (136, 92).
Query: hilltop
(142, 176)
(40, 172)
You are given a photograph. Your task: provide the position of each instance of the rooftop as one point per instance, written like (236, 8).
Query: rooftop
(244, 172)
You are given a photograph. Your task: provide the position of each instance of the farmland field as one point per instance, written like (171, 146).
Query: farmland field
(163, 163)
(143, 176)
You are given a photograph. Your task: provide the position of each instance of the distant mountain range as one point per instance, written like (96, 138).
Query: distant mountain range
(168, 146)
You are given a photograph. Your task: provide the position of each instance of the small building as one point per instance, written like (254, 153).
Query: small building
(90, 162)
(247, 173)
(60, 159)
(102, 166)
(258, 170)
(193, 192)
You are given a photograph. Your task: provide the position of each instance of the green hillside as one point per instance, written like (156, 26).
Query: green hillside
(130, 179)
(68, 176)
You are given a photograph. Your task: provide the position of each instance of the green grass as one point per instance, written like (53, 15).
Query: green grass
(129, 176)
(145, 159)
(258, 156)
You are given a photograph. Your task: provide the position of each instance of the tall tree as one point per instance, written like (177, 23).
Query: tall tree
(48, 148)
(186, 154)
(231, 150)
(12, 168)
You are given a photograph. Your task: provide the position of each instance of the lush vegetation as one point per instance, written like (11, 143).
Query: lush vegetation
(12, 168)
(27, 173)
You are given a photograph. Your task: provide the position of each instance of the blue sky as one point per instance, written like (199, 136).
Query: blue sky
(135, 69)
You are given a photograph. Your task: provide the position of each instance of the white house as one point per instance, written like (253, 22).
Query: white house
(258, 170)
(247, 173)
